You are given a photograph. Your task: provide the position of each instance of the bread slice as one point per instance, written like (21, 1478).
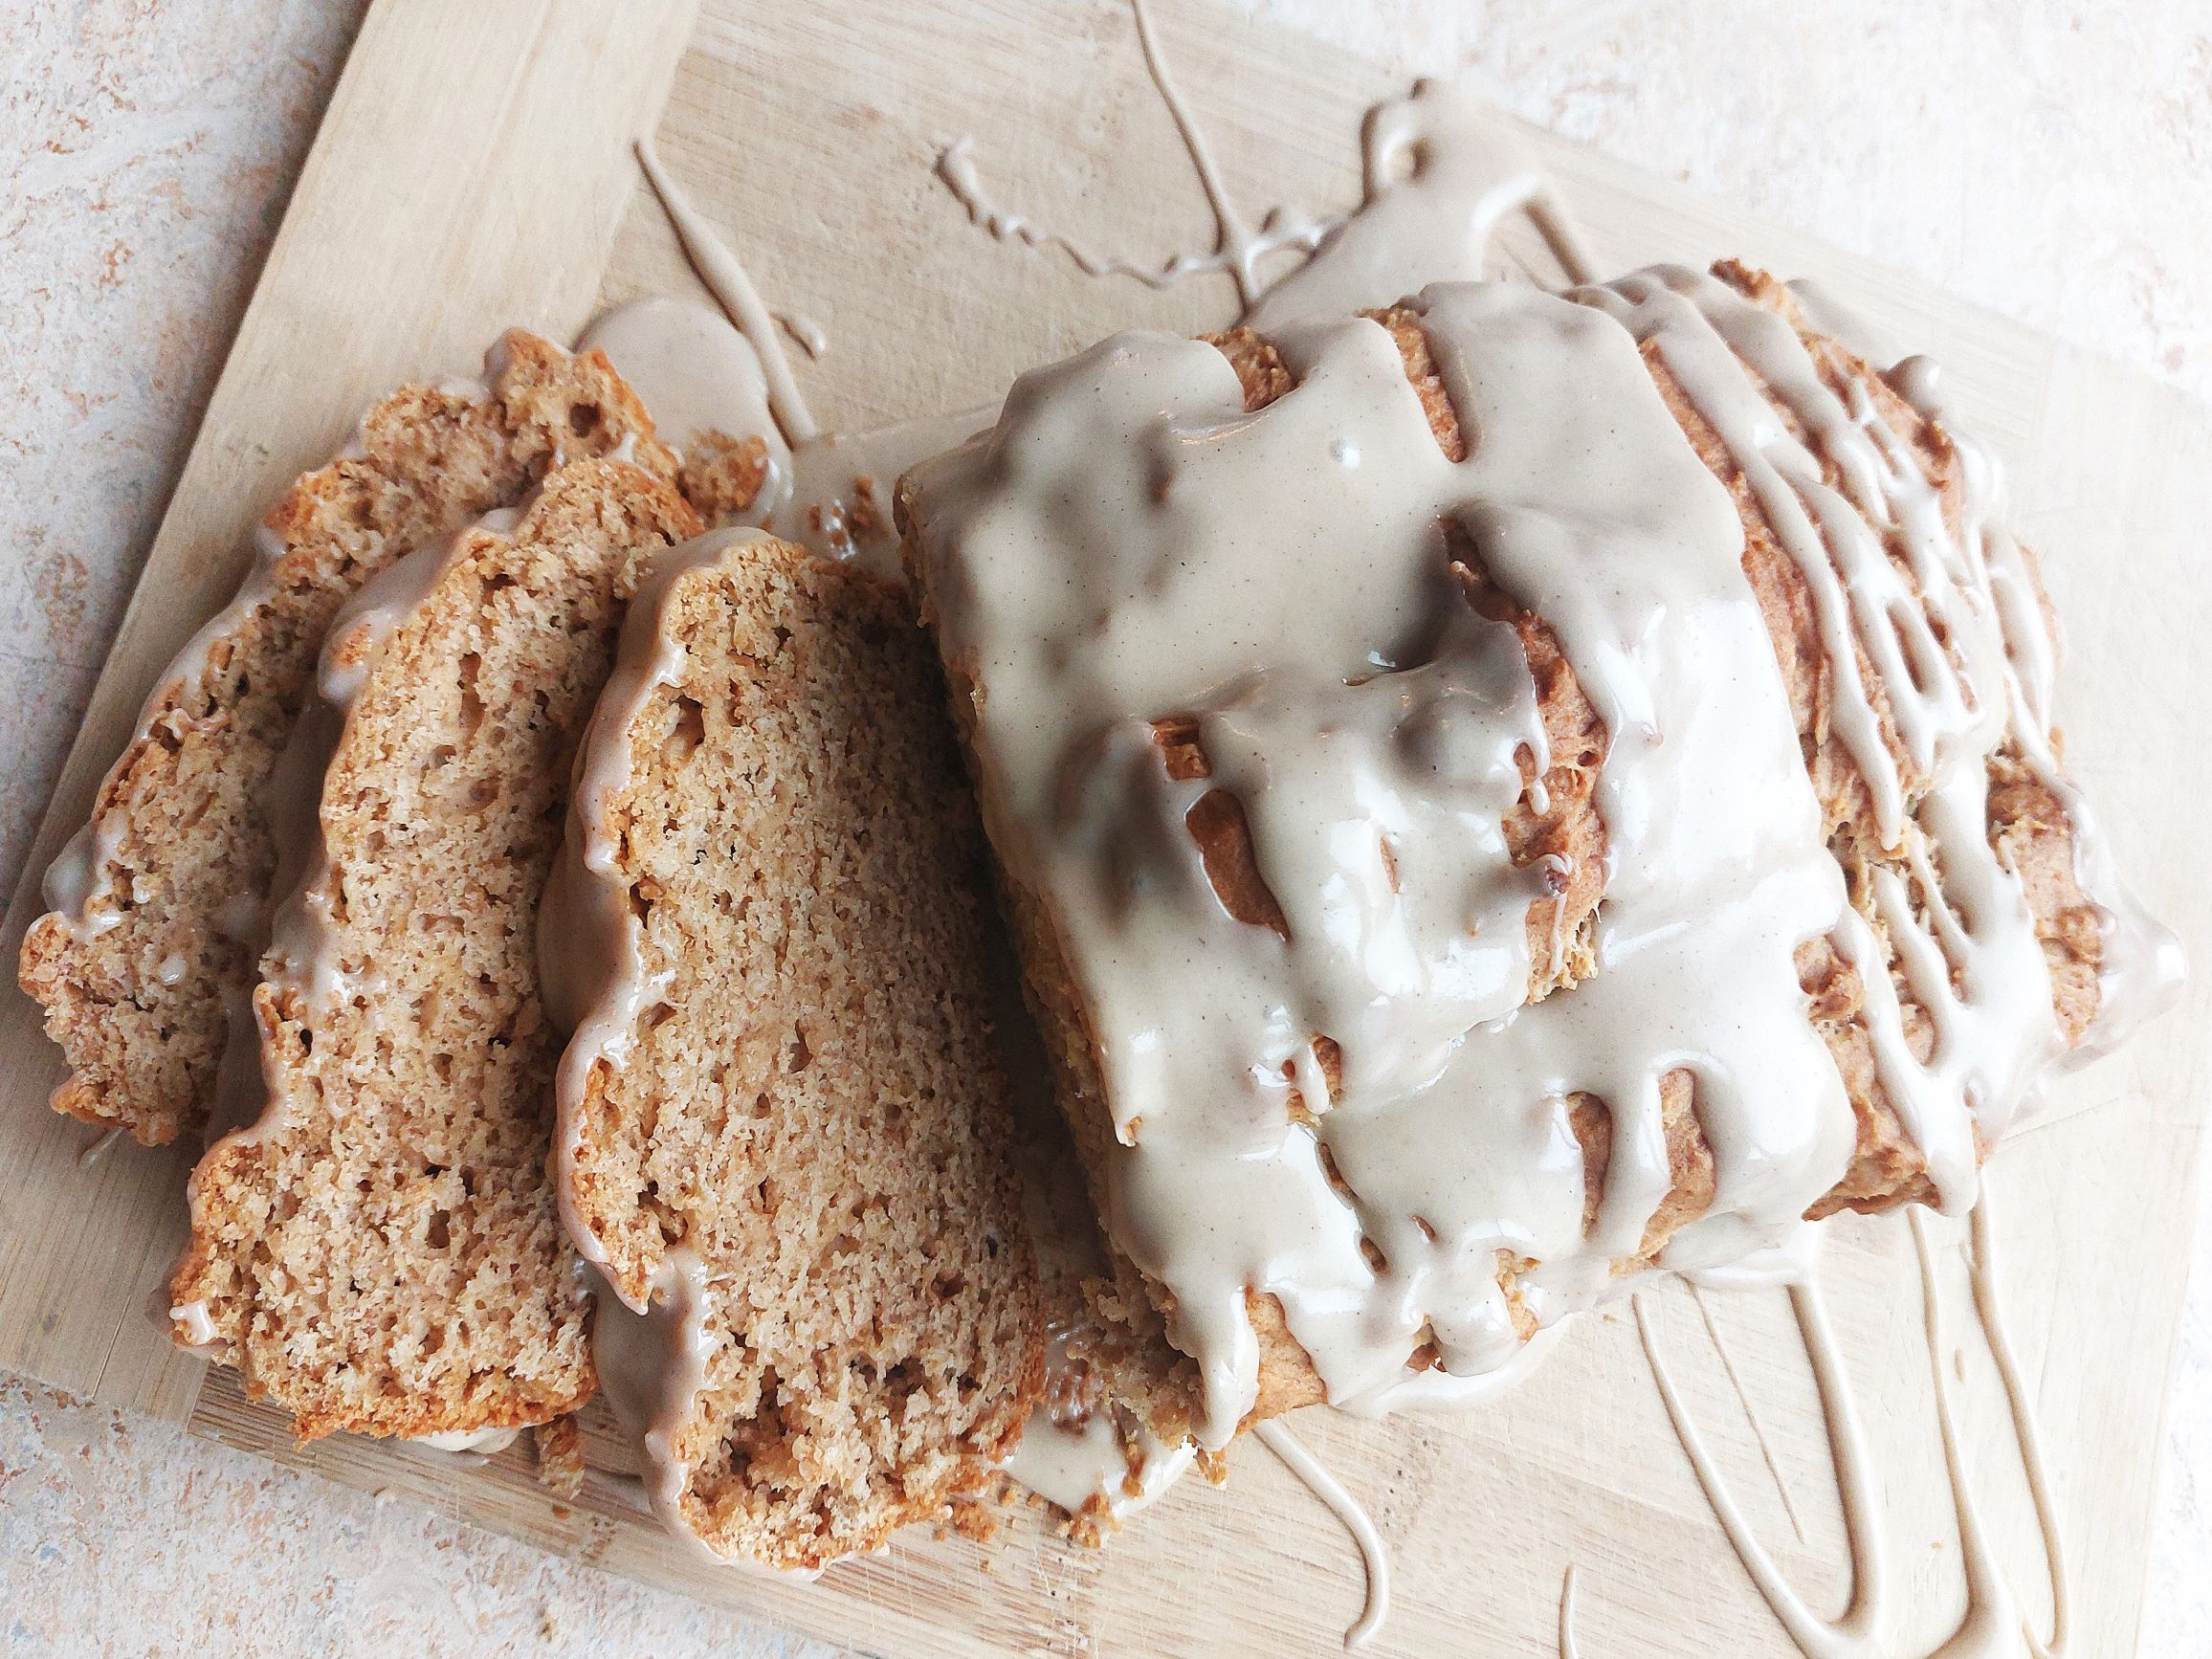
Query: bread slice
(379, 1250)
(781, 1125)
(1558, 817)
(159, 907)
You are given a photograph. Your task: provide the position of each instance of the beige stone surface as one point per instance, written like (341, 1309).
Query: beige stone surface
(2042, 159)
(120, 1535)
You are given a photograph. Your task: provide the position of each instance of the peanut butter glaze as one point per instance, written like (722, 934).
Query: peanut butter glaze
(1130, 546)
(1350, 1090)
(1919, 577)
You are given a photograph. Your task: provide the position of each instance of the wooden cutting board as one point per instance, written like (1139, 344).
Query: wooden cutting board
(474, 170)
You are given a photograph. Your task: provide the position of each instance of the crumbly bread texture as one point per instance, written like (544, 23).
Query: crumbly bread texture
(184, 854)
(2026, 822)
(561, 1457)
(811, 1108)
(721, 475)
(381, 1252)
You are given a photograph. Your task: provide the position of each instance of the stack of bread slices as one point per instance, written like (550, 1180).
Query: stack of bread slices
(306, 916)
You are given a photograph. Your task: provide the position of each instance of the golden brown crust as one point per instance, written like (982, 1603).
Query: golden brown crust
(1567, 835)
(559, 1447)
(2026, 821)
(1690, 1167)
(1259, 366)
(2028, 828)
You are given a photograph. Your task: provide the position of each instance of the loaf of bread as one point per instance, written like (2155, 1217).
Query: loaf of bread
(1897, 721)
(378, 1248)
(159, 908)
(783, 1135)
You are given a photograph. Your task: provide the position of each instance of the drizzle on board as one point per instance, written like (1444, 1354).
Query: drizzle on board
(1440, 176)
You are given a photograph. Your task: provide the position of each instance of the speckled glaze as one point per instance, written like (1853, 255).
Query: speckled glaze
(143, 162)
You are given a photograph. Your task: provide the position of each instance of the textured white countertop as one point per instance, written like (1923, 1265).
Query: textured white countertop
(2046, 160)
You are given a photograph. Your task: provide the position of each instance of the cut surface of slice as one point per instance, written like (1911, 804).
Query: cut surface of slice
(159, 907)
(783, 1128)
(379, 1251)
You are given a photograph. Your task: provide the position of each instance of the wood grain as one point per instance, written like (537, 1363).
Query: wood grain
(474, 171)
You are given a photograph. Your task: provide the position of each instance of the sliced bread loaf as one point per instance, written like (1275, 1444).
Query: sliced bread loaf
(784, 1136)
(159, 907)
(379, 1250)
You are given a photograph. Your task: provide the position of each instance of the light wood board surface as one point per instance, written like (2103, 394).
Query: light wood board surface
(474, 171)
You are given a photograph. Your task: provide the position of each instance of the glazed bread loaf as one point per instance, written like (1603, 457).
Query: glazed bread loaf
(379, 1249)
(783, 1135)
(1872, 561)
(159, 908)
